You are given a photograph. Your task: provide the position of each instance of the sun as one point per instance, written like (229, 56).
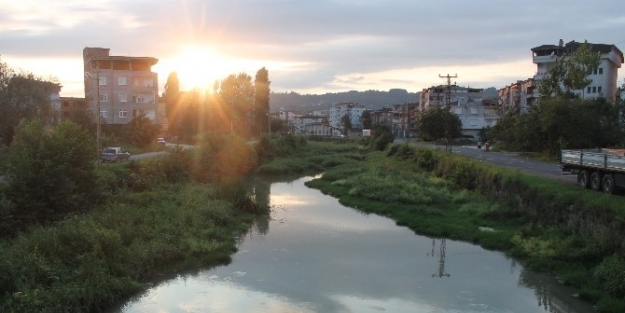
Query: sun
(200, 67)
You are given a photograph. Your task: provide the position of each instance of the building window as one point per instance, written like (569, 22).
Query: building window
(473, 122)
(121, 81)
(594, 72)
(599, 89)
(594, 89)
(102, 80)
(122, 96)
(65, 104)
(601, 71)
(588, 91)
(104, 113)
(104, 98)
(473, 111)
(123, 113)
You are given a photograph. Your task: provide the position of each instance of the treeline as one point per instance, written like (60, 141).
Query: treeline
(236, 105)
(562, 123)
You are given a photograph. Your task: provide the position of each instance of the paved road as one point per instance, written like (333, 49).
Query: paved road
(511, 160)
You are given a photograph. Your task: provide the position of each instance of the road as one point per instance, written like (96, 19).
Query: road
(510, 160)
(159, 153)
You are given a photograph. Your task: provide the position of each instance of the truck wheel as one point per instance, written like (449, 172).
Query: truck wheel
(595, 181)
(583, 178)
(608, 183)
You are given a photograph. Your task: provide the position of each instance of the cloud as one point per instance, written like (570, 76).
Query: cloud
(325, 41)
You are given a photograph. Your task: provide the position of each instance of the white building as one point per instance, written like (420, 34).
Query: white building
(603, 77)
(352, 109)
(467, 103)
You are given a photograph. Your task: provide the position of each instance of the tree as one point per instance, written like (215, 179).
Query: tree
(367, 122)
(141, 131)
(23, 97)
(237, 94)
(171, 96)
(51, 173)
(346, 124)
(261, 101)
(436, 121)
(571, 72)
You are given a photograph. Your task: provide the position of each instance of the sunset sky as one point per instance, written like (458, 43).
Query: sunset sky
(308, 46)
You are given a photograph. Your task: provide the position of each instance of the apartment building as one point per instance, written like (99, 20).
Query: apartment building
(351, 109)
(72, 107)
(467, 103)
(437, 96)
(123, 87)
(404, 119)
(522, 95)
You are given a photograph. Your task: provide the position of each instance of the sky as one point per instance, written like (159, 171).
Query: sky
(308, 46)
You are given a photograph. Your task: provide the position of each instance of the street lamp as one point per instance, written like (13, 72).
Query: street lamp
(98, 123)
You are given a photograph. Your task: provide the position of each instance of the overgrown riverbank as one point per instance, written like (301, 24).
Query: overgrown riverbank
(149, 218)
(551, 226)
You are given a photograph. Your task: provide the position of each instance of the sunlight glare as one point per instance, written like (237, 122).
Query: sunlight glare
(200, 66)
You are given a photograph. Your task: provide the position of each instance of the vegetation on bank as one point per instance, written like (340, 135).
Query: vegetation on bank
(552, 226)
(69, 248)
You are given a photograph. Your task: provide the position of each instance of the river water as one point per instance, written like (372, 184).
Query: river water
(315, 255)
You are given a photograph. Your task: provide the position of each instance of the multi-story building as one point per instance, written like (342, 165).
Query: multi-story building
(351, 109)
(438, 96)
(519, 96)
(310, 124)
(124, 87)
(383, 116)
(476, 115)
(467, 103)
(404, 119)
(72, 107)
(603, 78)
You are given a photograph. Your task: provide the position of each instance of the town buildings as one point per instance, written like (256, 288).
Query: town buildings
(122, 87)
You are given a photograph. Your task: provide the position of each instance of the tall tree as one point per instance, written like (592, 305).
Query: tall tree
(436, 122)
(570, 72)
(367, 122)
(237, 93)
(346, 123)
(23, 97)
(171, 96)
(261, 101)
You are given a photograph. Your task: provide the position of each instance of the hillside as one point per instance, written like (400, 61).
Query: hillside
(371, 99)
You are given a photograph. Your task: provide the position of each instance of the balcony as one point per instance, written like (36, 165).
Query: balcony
(544, 59)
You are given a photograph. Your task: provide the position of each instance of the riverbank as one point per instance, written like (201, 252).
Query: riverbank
(551, 226)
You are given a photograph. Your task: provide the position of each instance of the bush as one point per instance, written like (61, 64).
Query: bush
(611, 276)
(56, 170)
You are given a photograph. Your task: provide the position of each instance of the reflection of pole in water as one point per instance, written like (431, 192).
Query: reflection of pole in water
(441, 260)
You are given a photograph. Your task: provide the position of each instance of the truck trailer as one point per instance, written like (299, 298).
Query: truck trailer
(600, 171)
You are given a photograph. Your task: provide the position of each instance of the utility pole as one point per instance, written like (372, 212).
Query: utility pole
(448, 112)
(96, 98)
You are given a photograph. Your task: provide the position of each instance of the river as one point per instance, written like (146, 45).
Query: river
(315, 255)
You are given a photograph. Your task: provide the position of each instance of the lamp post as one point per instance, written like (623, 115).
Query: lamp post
(269, 123)
(98, 122)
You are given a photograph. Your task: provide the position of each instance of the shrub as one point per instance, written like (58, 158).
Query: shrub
(55, 169)
(611, 276)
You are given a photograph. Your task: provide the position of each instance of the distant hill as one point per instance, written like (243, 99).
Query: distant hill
(371, 99)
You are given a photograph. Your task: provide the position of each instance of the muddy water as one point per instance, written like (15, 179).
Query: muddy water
(315, 255)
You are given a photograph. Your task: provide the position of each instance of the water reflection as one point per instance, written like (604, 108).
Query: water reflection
(314, 255)
(441, 257)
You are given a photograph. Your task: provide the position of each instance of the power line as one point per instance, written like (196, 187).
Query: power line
(448, 112)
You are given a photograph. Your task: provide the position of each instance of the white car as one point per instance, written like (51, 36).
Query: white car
(161, 141)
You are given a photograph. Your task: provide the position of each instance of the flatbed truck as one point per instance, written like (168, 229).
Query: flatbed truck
(600, 171)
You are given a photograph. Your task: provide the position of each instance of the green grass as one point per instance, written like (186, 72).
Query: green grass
(90, 262)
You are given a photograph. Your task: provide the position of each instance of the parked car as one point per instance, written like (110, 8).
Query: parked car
(114, 154)
(161, 141)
